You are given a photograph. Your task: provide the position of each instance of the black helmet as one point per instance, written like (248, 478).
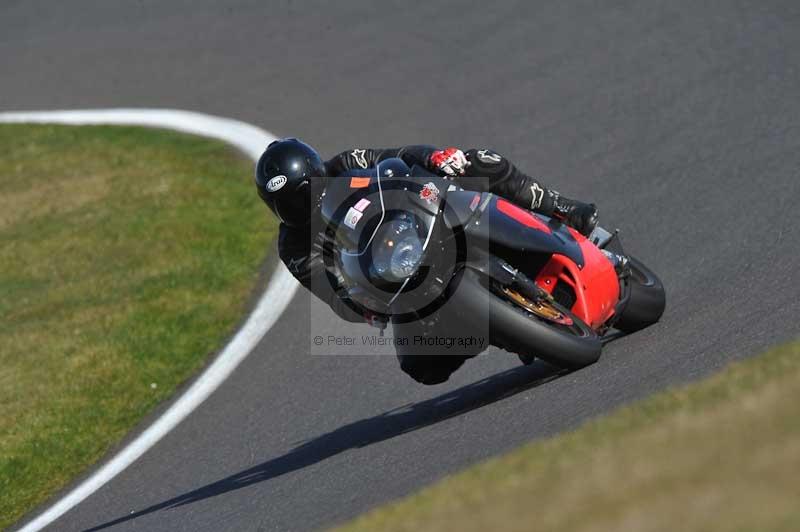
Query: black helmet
(285, 180)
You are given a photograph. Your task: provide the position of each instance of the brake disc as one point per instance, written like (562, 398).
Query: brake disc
(542, 308)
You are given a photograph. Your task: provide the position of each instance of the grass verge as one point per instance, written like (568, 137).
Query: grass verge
(127, 256)
(717, 455)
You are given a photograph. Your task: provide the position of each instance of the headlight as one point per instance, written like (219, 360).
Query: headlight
(397, 249)
(405, 258)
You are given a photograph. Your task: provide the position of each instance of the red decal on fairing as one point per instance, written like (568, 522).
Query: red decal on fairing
(523, 216)
(429, 193)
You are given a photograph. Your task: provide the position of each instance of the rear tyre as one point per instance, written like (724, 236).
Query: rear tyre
(647, 299)
(570, 344)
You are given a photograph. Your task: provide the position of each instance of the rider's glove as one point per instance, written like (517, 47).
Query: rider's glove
(450, 162)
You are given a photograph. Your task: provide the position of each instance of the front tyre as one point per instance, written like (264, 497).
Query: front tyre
(647, 299)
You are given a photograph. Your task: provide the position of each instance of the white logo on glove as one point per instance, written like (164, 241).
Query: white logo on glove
(451, 162)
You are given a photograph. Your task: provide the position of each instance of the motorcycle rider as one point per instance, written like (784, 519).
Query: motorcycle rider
(290, 177)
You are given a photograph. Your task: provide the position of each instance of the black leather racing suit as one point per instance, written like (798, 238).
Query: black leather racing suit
(301, 248)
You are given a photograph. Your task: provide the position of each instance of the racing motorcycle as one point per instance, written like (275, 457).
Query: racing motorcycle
(415, 250)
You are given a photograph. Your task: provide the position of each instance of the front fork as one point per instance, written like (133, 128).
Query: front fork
(507, 276)
(611, 246)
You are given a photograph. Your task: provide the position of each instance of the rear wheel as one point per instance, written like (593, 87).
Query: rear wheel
(647, 299)
(542, 328)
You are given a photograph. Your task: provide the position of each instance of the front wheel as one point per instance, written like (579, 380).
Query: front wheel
(647, 299)
(551, 333)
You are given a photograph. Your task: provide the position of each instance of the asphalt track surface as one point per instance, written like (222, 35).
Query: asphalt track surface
(680, 120)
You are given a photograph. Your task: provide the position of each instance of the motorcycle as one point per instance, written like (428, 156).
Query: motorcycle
(415, 250)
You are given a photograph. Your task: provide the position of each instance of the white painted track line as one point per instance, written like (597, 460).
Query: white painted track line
(280, 290)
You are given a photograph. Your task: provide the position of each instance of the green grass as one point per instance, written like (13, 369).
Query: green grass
(127, 257)
(718, 455)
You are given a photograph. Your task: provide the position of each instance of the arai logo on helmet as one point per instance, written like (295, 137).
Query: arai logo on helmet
(276, 183)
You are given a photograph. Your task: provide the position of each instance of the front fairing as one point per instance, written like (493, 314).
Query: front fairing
(357, 211)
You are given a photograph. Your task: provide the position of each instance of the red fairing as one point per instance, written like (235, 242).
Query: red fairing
(524, 217)
(596, 286)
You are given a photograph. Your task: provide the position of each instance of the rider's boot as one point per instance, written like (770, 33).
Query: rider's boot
(576, 214)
